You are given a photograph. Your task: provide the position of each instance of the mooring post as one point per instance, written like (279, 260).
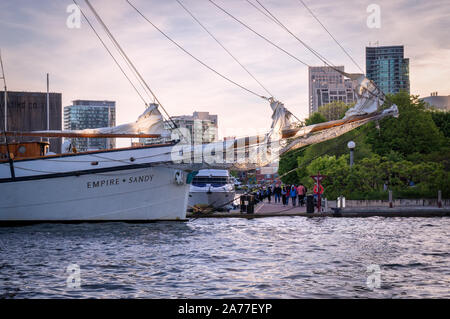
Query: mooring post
(326, 205)
(439, 199)
(390, 199)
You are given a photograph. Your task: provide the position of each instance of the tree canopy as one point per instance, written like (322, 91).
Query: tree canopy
(334, 110)
(410, 154)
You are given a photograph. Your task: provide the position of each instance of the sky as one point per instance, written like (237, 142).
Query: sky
(35, 40)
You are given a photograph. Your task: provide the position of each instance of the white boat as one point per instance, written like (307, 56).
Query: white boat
(122, 184)
(213, 188)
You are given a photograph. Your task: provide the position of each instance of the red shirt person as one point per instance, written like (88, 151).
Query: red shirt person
(301, 191)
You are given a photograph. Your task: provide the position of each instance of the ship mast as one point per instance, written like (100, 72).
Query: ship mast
(5, 96)
(48, 104)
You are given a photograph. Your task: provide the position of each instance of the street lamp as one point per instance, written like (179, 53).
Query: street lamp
(351, 145)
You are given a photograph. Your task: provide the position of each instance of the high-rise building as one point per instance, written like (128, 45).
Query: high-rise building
(326, 85)
(387, 67)
(84, 114)
(27, 111)
(201, 126)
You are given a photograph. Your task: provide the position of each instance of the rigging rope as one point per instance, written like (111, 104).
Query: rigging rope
(223, 47)
(99, 19)
(124, 57)
(107, 49)
(323, 59)
(192, 56)
(337, 42)
(317, 54)
(257, 33)
(259, 9)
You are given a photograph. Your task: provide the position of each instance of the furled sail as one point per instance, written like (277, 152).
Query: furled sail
(285, 135)
(368, 107)
(149, 124)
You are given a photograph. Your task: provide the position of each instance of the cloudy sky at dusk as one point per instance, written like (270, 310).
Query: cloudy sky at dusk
(34, 40)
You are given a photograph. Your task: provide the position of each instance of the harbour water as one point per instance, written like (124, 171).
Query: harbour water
(293, 257)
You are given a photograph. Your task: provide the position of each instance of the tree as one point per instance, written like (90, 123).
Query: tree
(288, 162)
(315, 119)
(442, 121)
(414, 131)
(366, 179)
(409, 154)
(334, 110)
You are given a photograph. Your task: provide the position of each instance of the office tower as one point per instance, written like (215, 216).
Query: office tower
(326, 85)
(387, 67)
(27, 111)
(85, 114)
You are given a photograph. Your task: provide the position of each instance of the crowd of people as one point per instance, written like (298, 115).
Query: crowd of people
(282, 194)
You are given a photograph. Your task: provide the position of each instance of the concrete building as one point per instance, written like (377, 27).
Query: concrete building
(388, 68)
(268, 174)
(327, 85)
(83, 114)
(440, 102)
(202, 126)
(27, 111)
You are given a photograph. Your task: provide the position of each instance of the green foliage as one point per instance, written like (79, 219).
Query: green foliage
(409, 154)
(414, 131)
(234, 173)
(334, 110)
(287, 163)
(369, 176)
(315, 119)
(442, 121)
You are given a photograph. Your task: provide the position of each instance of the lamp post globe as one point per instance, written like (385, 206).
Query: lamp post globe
(351, 145)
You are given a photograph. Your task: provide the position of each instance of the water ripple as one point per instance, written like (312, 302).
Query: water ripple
(229, 258)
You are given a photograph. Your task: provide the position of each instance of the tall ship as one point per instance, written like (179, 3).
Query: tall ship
(152, 182)
(118, 184)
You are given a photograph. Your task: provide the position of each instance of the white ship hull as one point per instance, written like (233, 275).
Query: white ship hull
(218, 199)
(116, 190)
(212, 187)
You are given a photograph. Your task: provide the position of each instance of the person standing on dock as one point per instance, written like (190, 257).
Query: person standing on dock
(301, 191)
(284, 195)
(277, 193)
(269, 194)
(293, 194)
(288, 193)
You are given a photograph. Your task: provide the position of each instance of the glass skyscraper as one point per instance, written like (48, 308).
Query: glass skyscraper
(83, 114)
(388, 68)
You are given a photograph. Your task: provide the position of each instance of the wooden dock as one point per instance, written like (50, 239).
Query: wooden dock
(278, 210)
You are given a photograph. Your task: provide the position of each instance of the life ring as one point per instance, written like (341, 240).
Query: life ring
(320, 189)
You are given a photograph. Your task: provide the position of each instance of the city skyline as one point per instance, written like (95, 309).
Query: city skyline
(80, 67)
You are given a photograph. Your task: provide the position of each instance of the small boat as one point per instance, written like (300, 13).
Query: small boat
(212, 189)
